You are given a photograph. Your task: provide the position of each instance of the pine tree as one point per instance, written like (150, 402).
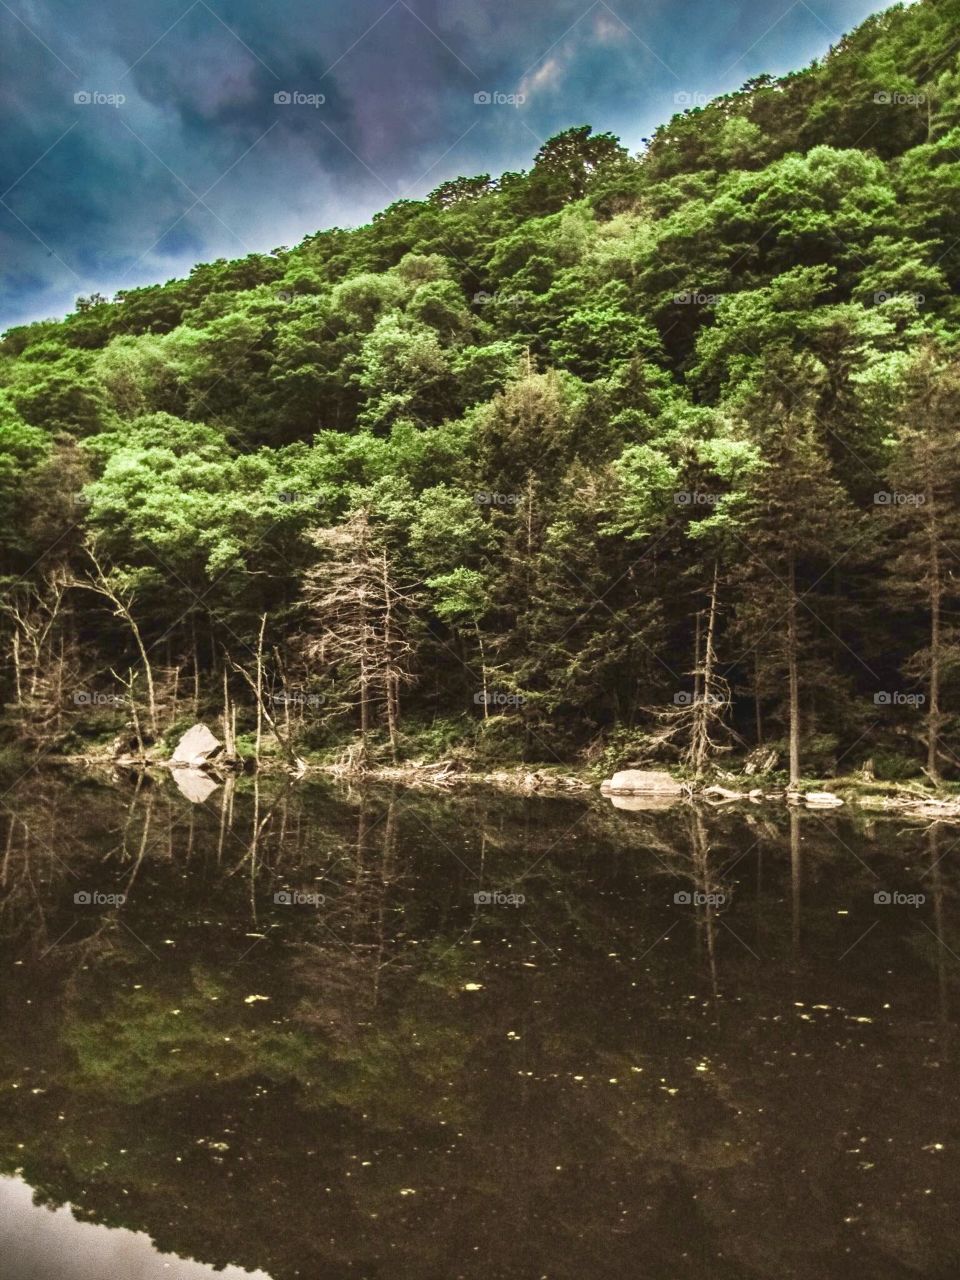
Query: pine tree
(795, 523)
(922, 507)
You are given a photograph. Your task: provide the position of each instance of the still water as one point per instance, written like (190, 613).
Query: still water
(334, 1033)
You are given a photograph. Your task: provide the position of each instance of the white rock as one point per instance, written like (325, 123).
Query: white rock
(195, 785)
(642, 781)
(196, 747)
(822, 800)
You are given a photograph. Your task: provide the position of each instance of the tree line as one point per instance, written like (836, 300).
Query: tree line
(623, 456)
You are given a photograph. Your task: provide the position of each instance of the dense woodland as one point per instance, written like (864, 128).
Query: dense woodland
(620, 458)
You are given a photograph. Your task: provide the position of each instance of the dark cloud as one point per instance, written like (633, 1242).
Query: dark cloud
(200, 160)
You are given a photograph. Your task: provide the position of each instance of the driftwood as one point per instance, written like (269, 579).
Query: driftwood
(761, 760)
(718, 795)
(925, 806)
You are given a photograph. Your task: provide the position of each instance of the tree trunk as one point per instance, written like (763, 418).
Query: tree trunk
(228, 745)
(136, 719)
(259, 689)
(58, 693)
(147, 670)
(16, 667)
(196, 667)
(483, 670)
(936, 595)
(390, 683)
(705, 687)
(103, 587)
(174, 698)
(364, 676)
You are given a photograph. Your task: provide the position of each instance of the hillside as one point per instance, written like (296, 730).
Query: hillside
(626, 457)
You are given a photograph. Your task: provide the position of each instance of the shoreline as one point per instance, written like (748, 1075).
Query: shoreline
(909, 799)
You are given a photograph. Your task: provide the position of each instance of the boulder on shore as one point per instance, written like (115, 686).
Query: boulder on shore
(630, 782)
(197, 746)
(822, 800)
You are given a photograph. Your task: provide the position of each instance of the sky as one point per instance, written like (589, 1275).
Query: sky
(143, 136)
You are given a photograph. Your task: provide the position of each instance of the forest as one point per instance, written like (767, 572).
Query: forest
(622, 458)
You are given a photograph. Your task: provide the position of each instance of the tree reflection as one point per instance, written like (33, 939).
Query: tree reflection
(399, 1077)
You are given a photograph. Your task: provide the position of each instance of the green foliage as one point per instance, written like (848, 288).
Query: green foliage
(22, 449)
(573, 403)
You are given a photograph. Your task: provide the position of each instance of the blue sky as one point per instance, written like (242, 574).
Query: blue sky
(140, 138)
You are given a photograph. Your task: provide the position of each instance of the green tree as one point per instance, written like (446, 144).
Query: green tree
(923, 510)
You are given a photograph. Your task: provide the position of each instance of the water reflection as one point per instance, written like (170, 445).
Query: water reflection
(50, 1244)
(316, 1033)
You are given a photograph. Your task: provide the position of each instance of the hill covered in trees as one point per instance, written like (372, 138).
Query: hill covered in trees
(645, 455)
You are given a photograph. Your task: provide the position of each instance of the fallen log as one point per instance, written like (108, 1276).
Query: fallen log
(723, 794)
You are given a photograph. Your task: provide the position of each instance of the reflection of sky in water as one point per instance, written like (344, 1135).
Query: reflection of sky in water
(44, 1244)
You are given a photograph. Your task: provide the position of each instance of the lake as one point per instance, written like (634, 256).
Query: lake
(325, 1031)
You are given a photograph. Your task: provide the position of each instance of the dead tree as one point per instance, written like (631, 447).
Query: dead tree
(44, 655)
(695, 722)
(362, 616)
(264, 715)
(122, 598)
